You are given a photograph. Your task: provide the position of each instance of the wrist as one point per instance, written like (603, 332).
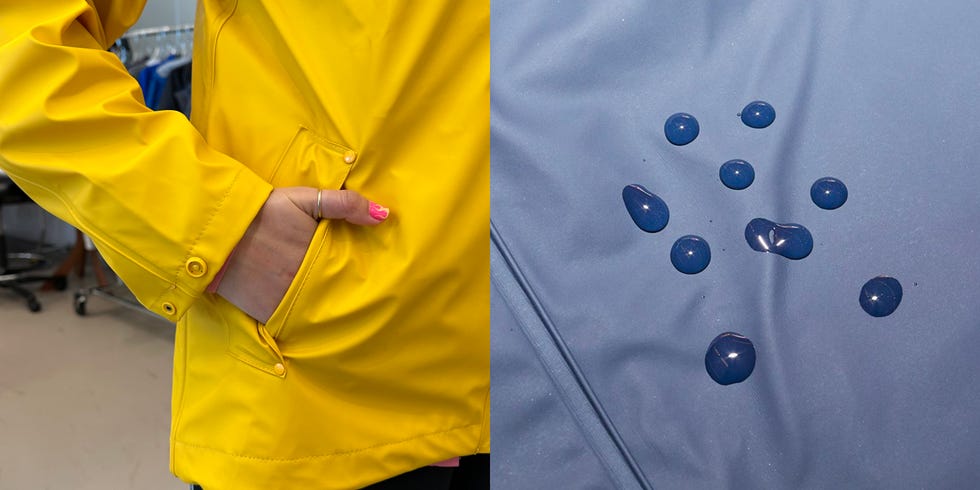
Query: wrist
(216, 282)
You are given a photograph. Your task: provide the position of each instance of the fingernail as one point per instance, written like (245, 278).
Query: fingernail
(378, 211)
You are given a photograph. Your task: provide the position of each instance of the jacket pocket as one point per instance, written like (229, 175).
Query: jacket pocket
(255, 343)
(312, 160)
(346, 294)
(281, 315)
(308, 160)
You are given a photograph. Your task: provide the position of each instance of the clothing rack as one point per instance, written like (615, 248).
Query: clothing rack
(149, 31)
(133, 42)
(134, 49)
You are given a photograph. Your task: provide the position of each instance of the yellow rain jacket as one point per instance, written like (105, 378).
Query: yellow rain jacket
(377, 360)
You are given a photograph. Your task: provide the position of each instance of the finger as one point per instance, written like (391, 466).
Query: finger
(352, 207)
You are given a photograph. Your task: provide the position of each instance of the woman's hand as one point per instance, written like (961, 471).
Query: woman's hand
(263, 265)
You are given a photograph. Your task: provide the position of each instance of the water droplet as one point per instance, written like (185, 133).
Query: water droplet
(736, 174)
(690, 254)
(880, 296)
(790, 240)
(648, 211)
(758, 114)
(730, 358)
(828, 193)
(681, 129)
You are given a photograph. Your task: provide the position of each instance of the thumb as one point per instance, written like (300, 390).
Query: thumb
(350, 206)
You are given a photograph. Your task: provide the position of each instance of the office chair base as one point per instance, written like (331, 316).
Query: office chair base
(14, 279)
(32, 303)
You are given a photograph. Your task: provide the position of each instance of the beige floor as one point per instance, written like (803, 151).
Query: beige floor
(84, 401)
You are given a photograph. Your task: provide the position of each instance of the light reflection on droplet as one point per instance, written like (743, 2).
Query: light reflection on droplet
(730, 358)
(690, 254)
(790, 240)
(880, 296)
(681, 129)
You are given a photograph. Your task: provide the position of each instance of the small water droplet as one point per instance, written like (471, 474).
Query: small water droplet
(758, 114)
(790, 240)
(880, 296)
(915, 284)
(736, 174)
(648, 211)
(828, 193)
(690, 254)
(730, 358)
(681, 129)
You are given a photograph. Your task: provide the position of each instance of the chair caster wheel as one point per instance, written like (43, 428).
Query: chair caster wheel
(80, 300)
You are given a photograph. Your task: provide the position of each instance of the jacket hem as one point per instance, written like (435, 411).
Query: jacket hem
(216, 469)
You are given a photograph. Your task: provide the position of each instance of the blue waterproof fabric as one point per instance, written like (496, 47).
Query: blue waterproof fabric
(538, 426)
(881, 95)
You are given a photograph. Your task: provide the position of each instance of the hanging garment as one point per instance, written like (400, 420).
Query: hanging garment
(158, 80)
(147, 78)
(135, 67)
(176, 93)
(599, 343)
(377, 360)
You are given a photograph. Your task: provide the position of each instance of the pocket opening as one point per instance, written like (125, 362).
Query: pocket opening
(280, 316)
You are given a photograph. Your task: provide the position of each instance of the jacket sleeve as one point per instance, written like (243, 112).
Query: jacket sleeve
(163, 207)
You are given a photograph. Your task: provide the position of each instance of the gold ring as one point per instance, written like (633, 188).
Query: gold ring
(319, 211)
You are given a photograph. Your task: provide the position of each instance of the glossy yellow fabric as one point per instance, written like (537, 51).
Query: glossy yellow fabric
(377, 361)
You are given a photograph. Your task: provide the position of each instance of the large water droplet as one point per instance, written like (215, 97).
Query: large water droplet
(730, 358)
(790, 240)
(880, 296)
(828, 193)
(736, 174)
(690, 254)
(648, 211)
(681, 129)
(758, 114)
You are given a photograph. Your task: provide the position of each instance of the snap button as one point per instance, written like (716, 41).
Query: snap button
(350, 156)
(169, 308)
(196, 267)
(279, 368)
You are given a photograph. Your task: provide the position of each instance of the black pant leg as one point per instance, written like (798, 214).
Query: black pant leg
(425, 478)
(473, 473)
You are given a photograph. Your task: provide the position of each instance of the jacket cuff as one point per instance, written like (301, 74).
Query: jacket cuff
(206, 257)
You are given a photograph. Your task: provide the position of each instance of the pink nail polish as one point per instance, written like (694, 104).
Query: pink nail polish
(378, 211)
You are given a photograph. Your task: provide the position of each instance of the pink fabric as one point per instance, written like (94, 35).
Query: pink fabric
(449, 463)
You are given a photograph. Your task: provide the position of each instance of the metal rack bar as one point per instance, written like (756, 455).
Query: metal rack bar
(150, 31)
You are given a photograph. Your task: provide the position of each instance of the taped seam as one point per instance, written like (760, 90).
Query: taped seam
(560, 365)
